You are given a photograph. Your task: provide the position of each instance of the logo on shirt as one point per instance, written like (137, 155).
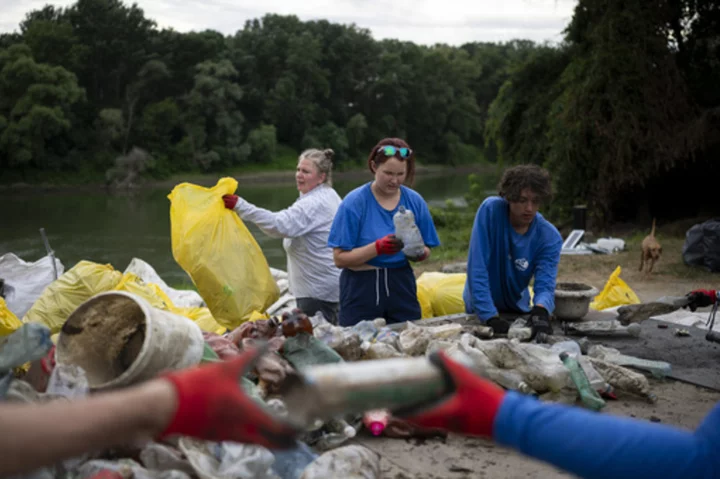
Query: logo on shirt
(521, 264)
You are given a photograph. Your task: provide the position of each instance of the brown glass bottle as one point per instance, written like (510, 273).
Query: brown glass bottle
(296, 322)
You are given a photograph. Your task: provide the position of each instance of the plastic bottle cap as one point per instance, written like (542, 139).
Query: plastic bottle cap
(376, 428)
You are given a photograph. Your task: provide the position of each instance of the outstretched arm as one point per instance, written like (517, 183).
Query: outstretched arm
(588, 444)
(300, 218)
(206, 402)
(77, 427)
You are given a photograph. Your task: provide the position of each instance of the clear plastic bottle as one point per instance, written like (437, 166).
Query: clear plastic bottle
(407, 231)
(659, 369)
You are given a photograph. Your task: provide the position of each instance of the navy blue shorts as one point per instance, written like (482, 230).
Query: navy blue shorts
(389, 293)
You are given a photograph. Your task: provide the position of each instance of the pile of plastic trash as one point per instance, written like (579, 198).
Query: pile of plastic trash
(38, 363)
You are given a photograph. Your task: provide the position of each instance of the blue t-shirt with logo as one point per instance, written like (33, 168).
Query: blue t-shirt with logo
(360, 220)
(502, 262)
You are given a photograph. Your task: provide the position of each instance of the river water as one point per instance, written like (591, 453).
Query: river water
(96, 226)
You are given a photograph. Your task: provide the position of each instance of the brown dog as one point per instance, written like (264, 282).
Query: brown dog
(651, 251)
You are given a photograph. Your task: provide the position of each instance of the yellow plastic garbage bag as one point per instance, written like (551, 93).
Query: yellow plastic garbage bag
(444, 291)
(615, 293)
(203, 318)
(423, 296)
(8, 321)
(157, 298)
(74, 287)
(214, 247)
(150, 292)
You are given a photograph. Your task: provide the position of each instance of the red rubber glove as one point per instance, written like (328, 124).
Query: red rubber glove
(213, 406)
(700, 298)
(470, 410)
(230, 201)
(389, 244)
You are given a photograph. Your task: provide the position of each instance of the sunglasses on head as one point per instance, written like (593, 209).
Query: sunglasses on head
(390, 150)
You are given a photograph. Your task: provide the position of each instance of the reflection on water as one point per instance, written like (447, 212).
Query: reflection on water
(113, 229)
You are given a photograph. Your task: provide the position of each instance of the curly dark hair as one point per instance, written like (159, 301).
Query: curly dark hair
(379, 158)
(520, 177)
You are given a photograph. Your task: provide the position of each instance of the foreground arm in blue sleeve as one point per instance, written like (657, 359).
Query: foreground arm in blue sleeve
(477, 272)
(546, 272)
(598, 446)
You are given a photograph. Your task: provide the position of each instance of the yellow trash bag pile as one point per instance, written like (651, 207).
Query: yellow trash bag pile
(440, 294)
(86, 279)
(8, 321)
(615, 293)
(214, 247)
(157, 298)
(65, 294)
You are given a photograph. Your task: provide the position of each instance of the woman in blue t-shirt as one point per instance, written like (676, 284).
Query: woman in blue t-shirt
(376, 278)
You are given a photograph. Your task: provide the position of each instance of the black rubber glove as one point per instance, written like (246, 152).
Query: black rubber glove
(498, 325)
(539, 321)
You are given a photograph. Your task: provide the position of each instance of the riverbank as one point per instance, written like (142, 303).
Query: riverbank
(269, 177)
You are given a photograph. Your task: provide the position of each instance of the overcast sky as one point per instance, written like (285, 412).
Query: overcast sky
(421, 21)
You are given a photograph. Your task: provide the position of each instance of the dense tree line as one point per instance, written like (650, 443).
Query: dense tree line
(630, 96)
(81, 85)
(625, 113)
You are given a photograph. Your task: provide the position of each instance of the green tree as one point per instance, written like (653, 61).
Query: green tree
(263, 144)
(624, 114)
(36, 102)
(213, 121)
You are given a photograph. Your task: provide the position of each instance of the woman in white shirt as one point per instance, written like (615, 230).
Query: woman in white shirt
(313, 278)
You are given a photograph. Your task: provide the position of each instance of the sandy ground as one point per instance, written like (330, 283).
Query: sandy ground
(679, 404)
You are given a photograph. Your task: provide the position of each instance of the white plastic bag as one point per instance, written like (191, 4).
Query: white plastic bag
(180, 298)
(354, 461)
(25, 281)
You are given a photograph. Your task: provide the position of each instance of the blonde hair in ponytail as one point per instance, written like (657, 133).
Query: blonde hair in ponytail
(322, 159)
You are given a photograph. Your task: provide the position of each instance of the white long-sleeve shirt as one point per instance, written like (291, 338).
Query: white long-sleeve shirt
(305, 227)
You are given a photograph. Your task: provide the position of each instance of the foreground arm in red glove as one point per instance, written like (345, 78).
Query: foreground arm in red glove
(585, 443)
(206, 402)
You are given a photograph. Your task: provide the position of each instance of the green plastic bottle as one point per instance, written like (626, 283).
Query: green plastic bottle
(588, 395)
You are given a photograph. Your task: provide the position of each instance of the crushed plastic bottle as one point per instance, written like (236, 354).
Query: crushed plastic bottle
(366, 330)
(604, 328)
(339, 432)
(69, 381)
(407, 231)
(659, 369)
(28, 343)
(519, 330)
(623, 379)
(588, 394)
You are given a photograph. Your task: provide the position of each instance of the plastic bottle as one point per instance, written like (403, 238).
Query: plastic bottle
(295, 322)
(376, 420)
(659, 369)
(589, 396)
(339, 432)
(570, 347)
(407, 231)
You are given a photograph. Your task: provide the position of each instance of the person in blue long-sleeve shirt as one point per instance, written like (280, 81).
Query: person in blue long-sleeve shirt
(511, 243)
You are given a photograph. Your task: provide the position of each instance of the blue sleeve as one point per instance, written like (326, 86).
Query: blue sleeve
(478, 279)
(546, 270)
(595, 445)
(344, 230)
(426, 225)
